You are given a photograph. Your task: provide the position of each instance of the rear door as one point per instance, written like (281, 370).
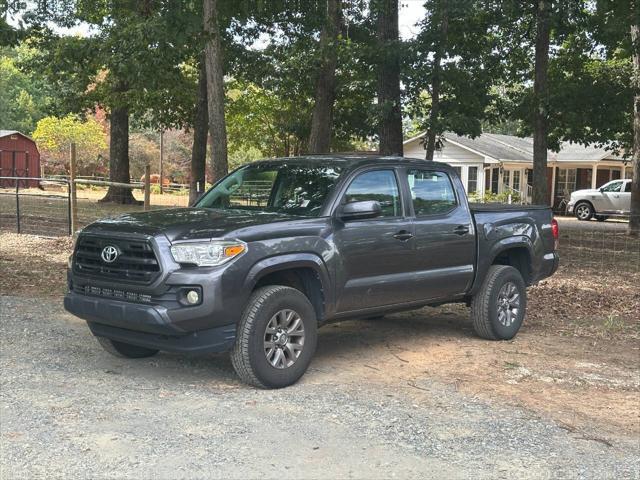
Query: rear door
(444, 235)
(624, 199)
(375, 255)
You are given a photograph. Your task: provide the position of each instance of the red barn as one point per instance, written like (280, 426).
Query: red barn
(19, 157)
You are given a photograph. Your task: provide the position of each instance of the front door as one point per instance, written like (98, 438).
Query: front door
(609, 198)
(375, 255)
(444, 237)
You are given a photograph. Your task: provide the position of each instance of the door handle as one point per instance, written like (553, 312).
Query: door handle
(461, 230)
(403, 235)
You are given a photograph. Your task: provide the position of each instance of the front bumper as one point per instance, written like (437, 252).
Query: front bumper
(570, 207)
(148, 326)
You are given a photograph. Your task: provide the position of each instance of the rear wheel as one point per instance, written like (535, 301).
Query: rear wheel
(276, 338)
(126, 350)
(584, 211)
(498, 309)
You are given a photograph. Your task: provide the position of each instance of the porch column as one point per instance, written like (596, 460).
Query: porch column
(553, 185)
(594, 174)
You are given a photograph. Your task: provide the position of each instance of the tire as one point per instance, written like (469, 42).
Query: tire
(125, 350)
(265, 321)
(601, 218)
(491, 321)
(583, 211)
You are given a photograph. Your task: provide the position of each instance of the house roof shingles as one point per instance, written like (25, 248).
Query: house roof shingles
(520, 149)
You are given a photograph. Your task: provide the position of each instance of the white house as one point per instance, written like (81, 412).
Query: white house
(499, 163)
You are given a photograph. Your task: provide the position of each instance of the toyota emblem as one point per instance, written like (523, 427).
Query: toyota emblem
(109, 254)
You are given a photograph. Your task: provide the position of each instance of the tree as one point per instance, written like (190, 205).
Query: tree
(200, 135)
(453, 69)
(390, 126)
(634, 14)
(133, 65)
(55, 135)
(540, 102)
(24, 98)
(215, 89)
(436, 80)
(325, 91)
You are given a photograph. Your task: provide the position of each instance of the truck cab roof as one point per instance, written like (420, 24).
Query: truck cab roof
(352, 161)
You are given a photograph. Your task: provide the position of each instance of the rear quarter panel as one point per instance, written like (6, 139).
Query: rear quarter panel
(503, 227)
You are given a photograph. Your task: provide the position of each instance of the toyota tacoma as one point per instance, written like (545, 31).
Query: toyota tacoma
(280, 247)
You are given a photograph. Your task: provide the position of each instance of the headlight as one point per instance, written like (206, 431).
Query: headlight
(207, 254)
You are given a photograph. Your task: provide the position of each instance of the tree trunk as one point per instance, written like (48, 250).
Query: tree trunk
(540, 94)
(200, 133)
(634, 220)
(215, 90)
(119, 157)
(322, 117)
(390, 130)
(436, 81)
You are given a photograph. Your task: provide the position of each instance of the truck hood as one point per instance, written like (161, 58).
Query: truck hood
(586, 191)
(186, 223)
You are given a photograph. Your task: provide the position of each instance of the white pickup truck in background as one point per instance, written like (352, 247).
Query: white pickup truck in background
(611, 199)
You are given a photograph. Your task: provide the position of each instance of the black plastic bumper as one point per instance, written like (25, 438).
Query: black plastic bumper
(146, 325)
(215, 340)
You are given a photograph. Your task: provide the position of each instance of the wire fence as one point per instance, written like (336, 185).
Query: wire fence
(35, 210)
(45, 206)
(599, 246)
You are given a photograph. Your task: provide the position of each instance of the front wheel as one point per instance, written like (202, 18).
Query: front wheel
(584, 211)
(276, 337)
(498, 308)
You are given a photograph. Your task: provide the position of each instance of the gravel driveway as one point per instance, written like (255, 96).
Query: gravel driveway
(69, 409)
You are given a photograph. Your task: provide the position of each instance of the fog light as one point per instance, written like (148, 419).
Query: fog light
(193, 297)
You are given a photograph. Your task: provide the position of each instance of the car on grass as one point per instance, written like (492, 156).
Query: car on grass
(281, 247)
(611, 199)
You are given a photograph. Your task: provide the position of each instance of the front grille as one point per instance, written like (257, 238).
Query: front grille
(135, 263)
(114, 293)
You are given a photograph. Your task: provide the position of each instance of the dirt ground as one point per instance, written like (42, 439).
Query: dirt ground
(576, 360)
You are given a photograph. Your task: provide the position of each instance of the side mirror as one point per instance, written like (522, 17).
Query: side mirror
(360, 210)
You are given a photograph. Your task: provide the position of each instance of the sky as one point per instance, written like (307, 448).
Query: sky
(411, 12)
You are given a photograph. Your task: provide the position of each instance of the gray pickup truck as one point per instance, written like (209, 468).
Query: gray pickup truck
(280, 247)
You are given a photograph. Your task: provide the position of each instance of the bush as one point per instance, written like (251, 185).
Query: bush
(490, 197)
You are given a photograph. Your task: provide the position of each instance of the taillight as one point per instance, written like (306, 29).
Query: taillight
(556, 233)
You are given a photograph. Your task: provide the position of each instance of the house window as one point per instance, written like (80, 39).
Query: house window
(566, 182)
(458, 171)
(515, 184)
(472, 180)
(495, 179)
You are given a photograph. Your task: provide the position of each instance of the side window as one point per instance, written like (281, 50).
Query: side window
(612, 187)
(431, 192)
(627, 187)
(378, 185)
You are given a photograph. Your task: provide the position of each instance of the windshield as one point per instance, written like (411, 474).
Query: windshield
(282, 188)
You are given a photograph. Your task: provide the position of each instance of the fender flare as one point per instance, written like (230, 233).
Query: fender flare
(504, 244)
(288, 261)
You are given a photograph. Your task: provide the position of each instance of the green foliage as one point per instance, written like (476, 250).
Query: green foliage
(469, 67)
(490, 197)
(55, 135)
(24, 98)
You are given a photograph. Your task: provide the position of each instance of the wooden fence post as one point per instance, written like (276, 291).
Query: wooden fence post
(72, 189)
(147, 186)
